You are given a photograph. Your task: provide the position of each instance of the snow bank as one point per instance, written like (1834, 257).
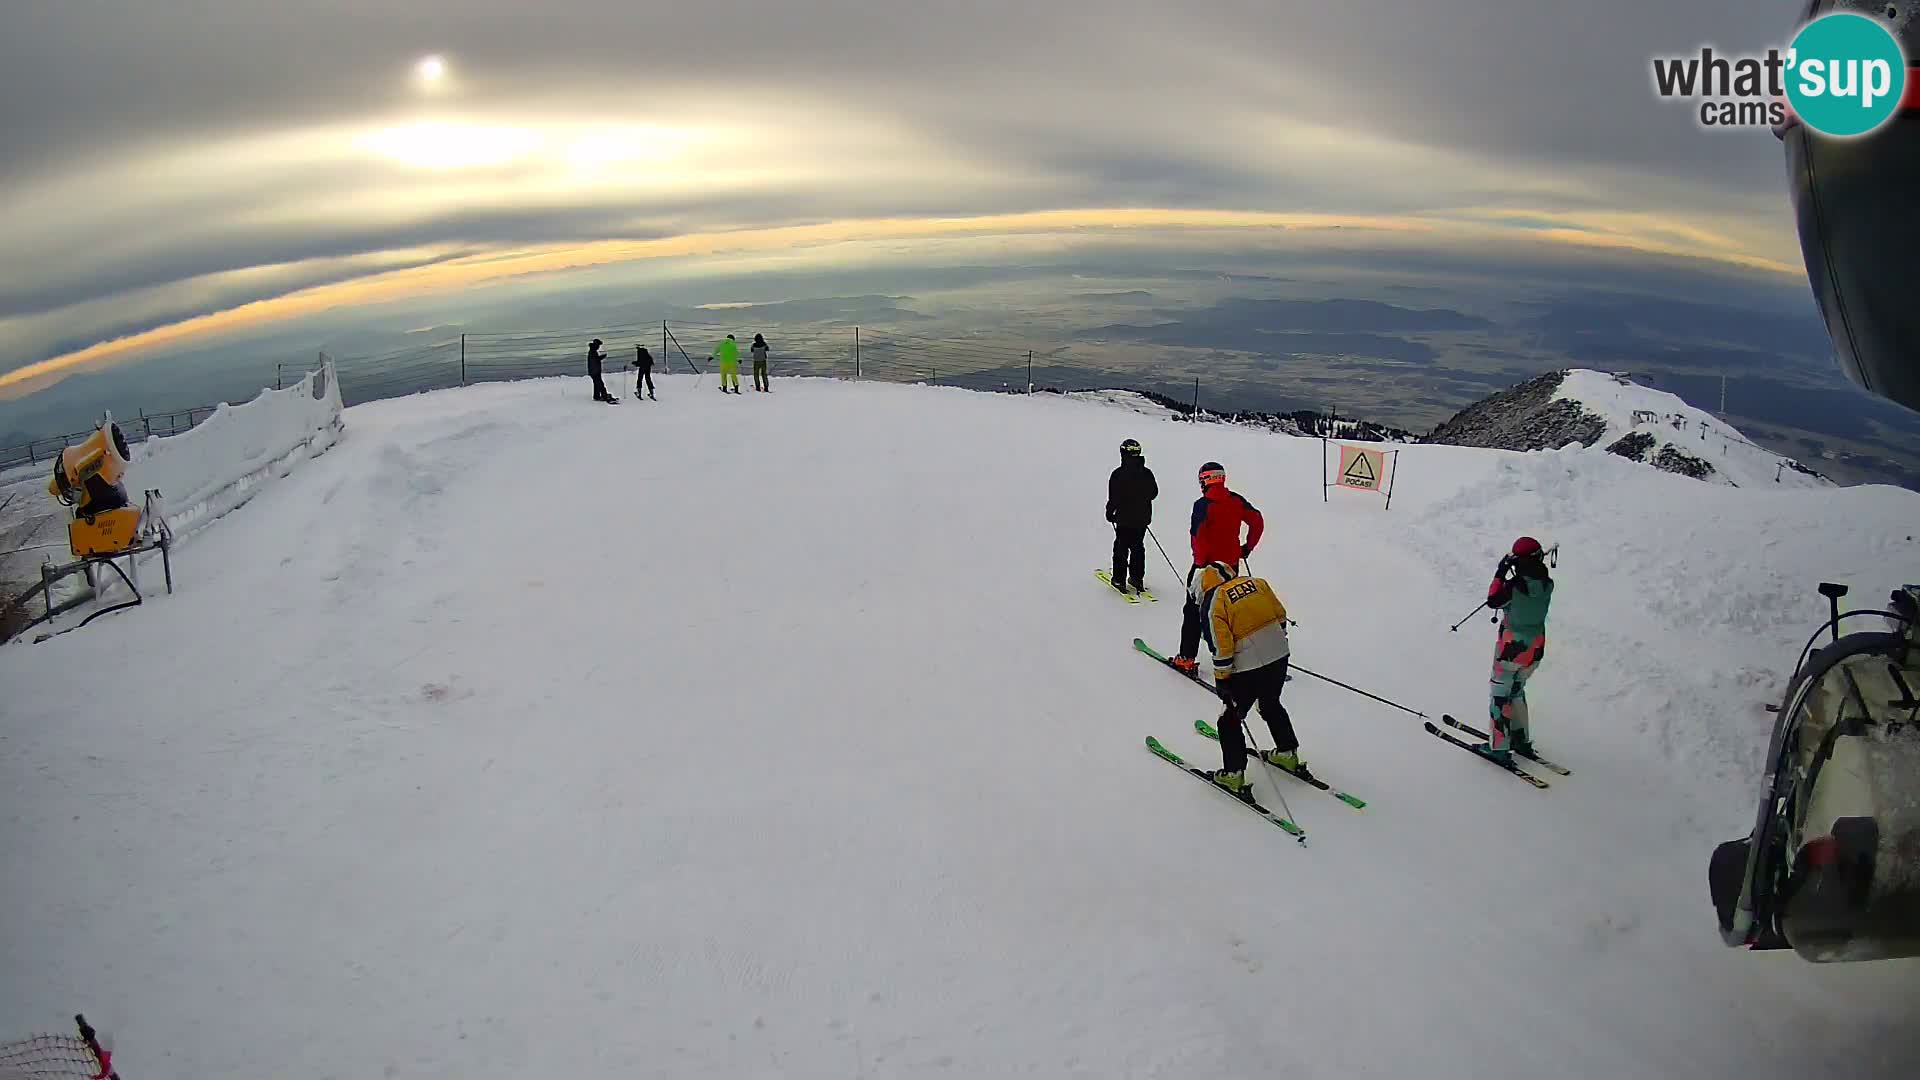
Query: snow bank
(791, 735)
(219, 464)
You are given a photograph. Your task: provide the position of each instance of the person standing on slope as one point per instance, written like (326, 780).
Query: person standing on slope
(1245, 625)
(643, 365)
(1218, 516)
(759, 350)
(1521, 591)
(594, 359)
(1131, 490)
(728, 353)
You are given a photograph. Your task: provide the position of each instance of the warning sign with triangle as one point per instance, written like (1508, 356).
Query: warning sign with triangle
(1360, 467)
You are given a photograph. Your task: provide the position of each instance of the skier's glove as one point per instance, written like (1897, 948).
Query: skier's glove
(1245, 550)
(1111, 516)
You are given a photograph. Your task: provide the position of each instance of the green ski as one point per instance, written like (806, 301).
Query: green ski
(1206, 778)
(1357, 803)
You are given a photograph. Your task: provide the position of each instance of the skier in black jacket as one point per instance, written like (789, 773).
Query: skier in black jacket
(594, 359)
(643, 365)
(1130, 494)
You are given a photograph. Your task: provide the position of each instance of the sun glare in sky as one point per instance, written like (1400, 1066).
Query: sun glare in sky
(430, 72)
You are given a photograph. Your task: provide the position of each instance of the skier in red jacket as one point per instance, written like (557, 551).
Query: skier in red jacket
(1217, 517)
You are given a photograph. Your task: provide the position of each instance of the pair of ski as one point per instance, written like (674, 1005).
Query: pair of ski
(1130, 597)
(1207, 730)
(1482, 750)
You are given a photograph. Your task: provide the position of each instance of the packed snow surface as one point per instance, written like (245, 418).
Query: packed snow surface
(791, 735)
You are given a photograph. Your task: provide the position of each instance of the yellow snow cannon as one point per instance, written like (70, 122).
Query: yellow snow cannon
(87, 480)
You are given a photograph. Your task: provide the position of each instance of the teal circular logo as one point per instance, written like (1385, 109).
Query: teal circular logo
(1845, 74)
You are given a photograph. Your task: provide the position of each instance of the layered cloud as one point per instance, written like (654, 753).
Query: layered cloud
(182, 169)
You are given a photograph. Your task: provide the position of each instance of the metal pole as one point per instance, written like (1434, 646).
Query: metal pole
(1357, 690)
(1194, 413)
(856, 354)
(1393, 479)
(1163, 553)
(665, 356)
(463, 359)
(1323, 461)
(1476, 610)
(1029, 371)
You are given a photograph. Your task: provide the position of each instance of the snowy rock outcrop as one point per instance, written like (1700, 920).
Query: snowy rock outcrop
(1529, 416)
(1652, 427)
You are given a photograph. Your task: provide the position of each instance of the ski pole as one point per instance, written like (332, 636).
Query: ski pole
(1163, 553)
(1470, 614)
(1246, 734)
(1248, 563)
(1359, 691)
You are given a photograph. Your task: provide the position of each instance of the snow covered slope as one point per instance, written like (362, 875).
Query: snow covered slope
(792, 736)
(1612, 413)
(1669, 433)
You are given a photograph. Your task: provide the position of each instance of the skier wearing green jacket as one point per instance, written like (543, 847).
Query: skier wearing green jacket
(1521, 591)
(728, 353)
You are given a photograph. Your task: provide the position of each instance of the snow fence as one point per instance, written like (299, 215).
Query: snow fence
(222, 462)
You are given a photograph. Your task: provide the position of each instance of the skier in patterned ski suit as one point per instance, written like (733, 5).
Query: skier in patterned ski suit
(1521, 591)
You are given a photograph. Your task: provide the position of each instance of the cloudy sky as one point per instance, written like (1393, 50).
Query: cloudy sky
(178, 170)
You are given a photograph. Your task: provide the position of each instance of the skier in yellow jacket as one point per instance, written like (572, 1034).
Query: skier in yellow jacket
(1245, 625)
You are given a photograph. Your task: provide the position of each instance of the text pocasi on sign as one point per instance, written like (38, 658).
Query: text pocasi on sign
(1361, 468)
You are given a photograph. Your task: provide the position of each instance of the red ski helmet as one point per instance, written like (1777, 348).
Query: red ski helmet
(1526, 548)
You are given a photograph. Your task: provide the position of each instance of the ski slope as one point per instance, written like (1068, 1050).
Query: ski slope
(792, 736)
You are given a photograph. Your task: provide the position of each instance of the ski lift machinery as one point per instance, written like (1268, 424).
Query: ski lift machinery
(1832, 866)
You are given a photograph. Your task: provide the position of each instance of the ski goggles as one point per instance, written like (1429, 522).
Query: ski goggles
(1212, 477)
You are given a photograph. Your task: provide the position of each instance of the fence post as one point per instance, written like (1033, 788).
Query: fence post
(1194, 414)
(463, 359)
(31, 460)
(1029, 371)
(856, 354)
(665, 356)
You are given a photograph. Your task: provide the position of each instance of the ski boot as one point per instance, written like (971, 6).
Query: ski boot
(1288, 760)
(1187, 664)
(1503, 756)
(1521, 745)
(1119, 584)
(1234, 782)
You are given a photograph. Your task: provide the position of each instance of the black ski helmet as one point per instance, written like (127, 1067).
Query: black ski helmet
(1130, 448)
(1858, 232)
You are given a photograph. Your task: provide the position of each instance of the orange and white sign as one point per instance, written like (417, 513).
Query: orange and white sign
(1361, 468)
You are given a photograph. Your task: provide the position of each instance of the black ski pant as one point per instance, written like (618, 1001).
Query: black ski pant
(645, 378)
(599, 388)
(1190, 621)
(1244, 690)
(1130, 555)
